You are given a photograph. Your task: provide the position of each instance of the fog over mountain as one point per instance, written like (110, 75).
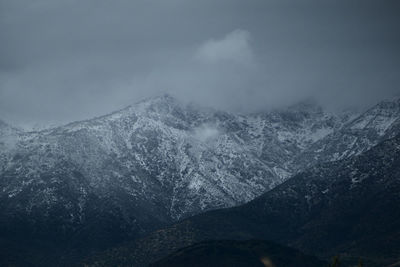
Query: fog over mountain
(62, 60)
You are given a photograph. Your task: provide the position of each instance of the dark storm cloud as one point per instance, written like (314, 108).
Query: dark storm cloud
(68, 59)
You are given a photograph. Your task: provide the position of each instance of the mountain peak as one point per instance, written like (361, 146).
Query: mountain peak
(309, 105)
(161, 103)
(163, 98)
(385, 109)
(393, 102)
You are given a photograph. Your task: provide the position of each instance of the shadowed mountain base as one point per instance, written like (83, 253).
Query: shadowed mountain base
(226, 253)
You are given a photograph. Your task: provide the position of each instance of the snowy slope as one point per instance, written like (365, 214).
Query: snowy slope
(378, 123)
(349, 208)
(160, 160)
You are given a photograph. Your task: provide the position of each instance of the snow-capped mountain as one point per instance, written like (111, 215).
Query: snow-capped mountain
(188, 158)
(160, 160)
(179, 159)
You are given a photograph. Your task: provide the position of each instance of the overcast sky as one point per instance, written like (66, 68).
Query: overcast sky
(64, 60)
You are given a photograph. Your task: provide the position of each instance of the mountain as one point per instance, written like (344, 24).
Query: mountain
(378, 123)
(349, 207)
(227, 253)
(92, 184)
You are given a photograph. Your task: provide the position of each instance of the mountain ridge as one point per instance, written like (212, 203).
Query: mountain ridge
(158, 161)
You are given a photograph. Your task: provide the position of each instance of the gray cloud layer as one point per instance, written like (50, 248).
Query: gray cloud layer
(63, 60)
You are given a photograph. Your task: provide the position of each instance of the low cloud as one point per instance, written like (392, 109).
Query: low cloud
(206, 133)
(65, 60)
(232, 48)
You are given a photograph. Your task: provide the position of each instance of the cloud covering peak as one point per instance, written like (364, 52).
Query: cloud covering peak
(64, 60)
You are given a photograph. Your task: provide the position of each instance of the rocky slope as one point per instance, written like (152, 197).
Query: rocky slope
(349, 207)
(117, 177)
(356, 136)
